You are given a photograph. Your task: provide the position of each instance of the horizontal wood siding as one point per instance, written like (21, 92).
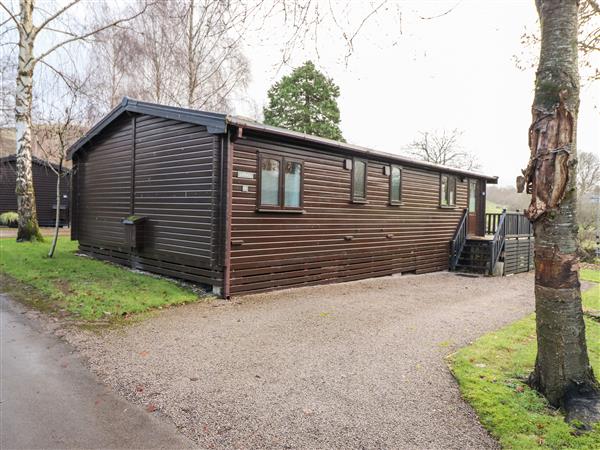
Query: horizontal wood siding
(278, 250)
(174, 189)
(103, 175)
(44, 184)
(171, 183)
(518, 255)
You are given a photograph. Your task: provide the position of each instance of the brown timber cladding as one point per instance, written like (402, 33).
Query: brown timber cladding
(168, 176)
(278, 250)
(44, 184)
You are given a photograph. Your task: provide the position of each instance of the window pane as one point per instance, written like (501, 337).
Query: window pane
(451, 190)
(269, 182)
(293, 173)
(358, 185)
(395, 184)
(472, 195)
(444, 191)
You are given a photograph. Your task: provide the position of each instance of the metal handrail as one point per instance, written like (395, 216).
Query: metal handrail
(497, 242)
(458, 242)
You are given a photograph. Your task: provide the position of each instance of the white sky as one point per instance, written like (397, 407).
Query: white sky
(454, 71)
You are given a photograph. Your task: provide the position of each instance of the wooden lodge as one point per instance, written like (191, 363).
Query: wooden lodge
(244, 207)
(44, 185)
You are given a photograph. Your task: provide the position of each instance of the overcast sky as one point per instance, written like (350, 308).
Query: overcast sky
(413, 74)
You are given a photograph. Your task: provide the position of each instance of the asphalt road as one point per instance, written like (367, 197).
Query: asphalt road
(48, 399)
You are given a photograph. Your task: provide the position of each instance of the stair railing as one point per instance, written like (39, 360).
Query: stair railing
(497, 242)
(458, 242)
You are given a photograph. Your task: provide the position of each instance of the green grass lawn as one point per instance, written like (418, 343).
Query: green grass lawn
(83, 287)
(492, 371)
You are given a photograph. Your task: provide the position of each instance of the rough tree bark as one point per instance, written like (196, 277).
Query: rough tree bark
(562, 373)
(28, 224)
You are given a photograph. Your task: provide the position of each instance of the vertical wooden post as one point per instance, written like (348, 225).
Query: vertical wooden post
(132, 199)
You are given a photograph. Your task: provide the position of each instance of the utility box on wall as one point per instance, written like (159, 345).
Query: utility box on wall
(134, 231)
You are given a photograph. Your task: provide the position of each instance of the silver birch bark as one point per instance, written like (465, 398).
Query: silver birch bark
(28, 223)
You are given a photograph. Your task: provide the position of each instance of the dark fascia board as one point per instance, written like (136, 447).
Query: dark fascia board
(217, 123)
(353, 150)
(214, 122)
(34, 160)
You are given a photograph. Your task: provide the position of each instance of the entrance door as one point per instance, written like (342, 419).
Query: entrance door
(475, 216)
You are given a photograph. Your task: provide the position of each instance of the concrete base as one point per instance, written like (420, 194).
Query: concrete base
(498, 269)
(218, 291)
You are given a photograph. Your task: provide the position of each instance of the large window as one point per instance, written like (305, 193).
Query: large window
(359, 181)
(447, 190)
(395, 185)
(280, 183)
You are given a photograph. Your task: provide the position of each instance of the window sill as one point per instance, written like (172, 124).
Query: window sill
(280, 211)
(447, 206)
(395, 203)
(359, 202)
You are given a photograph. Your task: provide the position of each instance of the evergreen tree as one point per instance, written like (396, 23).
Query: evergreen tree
(305, 101)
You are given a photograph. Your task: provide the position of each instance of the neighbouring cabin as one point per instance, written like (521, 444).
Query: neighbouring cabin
(44, 185)
(245, 207)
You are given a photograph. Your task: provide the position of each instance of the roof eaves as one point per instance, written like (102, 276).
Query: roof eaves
(214, 122)
(365, 151)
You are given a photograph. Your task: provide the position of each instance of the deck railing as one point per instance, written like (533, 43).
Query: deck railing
(505, 225)
(497, 242)
(457, 244)
(516, 223)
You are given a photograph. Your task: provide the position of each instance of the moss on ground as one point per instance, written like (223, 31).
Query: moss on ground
(82, 288)
(492, 373)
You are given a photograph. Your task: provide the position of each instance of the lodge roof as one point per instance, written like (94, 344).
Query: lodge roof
(218, 123)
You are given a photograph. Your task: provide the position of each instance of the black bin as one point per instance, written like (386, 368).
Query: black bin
(134, 231)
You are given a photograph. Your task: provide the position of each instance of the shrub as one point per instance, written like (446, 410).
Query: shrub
(9, 219)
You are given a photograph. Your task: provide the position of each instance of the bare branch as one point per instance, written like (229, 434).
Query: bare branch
(11, 15)
(91, 33)
(54, 16)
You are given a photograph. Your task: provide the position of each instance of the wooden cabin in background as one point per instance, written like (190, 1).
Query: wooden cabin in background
(44, 184)
(245, 207)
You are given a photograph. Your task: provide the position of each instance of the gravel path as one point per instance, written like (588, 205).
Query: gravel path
(354, 365)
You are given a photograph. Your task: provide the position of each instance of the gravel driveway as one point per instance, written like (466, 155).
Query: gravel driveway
(354, 365)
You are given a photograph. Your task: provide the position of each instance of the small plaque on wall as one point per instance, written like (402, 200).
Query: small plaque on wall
(244, 174)
(348, 164)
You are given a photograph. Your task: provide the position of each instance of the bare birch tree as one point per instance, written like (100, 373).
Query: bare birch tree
(28, 59)
(588, 173)
(213, 63)
(443, 148)
(562, 373)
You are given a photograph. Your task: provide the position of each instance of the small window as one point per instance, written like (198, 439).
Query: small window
(359, 181)
(293, 184)
(280, 183)
(447, 190)
(472, 196)
(396, 185)
(269, 182)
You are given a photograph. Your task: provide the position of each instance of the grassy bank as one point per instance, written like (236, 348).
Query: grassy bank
(82, 287)
(491, 374)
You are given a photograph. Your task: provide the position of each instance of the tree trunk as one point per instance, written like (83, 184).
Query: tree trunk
(28, 223)
(57, 216)
(562, 369)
